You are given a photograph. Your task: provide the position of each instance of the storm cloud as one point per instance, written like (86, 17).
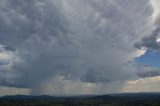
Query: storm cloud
(148, 71)
(150, 42)
(60, 46)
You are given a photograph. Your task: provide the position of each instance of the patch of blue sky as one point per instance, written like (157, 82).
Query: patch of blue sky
(149, 58)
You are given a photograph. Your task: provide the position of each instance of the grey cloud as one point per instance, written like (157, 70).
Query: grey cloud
(82, 40)
(8, 48)
(147, 71)
(24, 19)
(96, 76)
(150, 42)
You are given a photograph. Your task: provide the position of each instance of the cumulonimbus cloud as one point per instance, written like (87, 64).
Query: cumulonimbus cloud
(84, 41)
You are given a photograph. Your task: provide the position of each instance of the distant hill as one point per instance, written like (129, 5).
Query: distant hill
(102, 97)
(122, 99)
(137, 96)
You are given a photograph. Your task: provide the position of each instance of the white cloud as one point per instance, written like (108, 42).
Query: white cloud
(4, 56)
(13, 91)
(151, 84)
(156, 7)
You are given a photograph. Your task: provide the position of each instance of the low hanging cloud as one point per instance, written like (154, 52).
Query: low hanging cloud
(85, 44)
(148, 71)
(13, 91)
(149, 84)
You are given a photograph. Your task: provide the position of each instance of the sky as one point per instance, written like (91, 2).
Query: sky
(149, 58)
(79, 47)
